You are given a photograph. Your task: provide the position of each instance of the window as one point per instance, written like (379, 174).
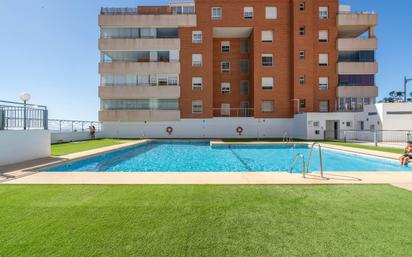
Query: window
(323, 83)
(323, 59)
(302, 6)
(148, 33)
(324, 106)
(267, 59)
(225, 110)
(302, 103)
(323, 12)
(244, 87)
(271, 13)
(302, 30)
(302, 55)
(225, 66)
(162, 80)
(348, 124)
(197, 83)
(267, 106)
(197, 60)
(267, 36)
(225, 88)
(356, 80)
(267, 83)
(141, 104)
(323, 36)
(174, 55)
(183, 9)
(216, 13)
(244, 67)
(172, 80)
(248, 13)
(244, 109)
(167, 33)
(302, 80)
(244, 46)
(197, 37)
(357, 56)
(225, 46)
(197, 106)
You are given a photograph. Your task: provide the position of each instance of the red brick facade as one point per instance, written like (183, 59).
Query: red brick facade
(287, 66)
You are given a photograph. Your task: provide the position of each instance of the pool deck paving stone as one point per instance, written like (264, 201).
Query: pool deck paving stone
(26, 173)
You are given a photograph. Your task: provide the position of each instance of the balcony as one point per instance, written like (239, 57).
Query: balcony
(142, 67)
(139, 115)
(357, 91)
(352, 25)
(139, 92)
(143, 44)
(357, 44)
(357, 68)
(148, 16)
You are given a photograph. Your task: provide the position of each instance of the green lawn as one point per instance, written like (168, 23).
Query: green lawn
(367, 147)
(74, 147)
(68, 220)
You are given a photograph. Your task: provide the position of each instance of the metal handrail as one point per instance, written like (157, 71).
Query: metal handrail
(320, 158)
(22, 104)
(285, 137)
(302, 157)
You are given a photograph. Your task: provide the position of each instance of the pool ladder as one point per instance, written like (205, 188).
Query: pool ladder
(302, 157)
(286, 138)
(297, 157)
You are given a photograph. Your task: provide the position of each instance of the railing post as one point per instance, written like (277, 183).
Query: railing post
(2, 119)
(24, 116)
(46, 119)
(375, 138)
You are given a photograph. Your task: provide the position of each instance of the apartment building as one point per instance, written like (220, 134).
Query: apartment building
(210, 64)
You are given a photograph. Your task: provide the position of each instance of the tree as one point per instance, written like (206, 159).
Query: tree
(395, 97)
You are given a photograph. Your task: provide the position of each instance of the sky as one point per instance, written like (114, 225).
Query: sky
(49, 49)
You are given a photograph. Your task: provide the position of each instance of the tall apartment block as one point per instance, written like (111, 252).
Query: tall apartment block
(235, 59)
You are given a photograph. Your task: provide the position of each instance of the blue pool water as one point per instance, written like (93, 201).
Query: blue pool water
(200, 156)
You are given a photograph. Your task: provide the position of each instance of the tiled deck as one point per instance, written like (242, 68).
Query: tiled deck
(26, 173)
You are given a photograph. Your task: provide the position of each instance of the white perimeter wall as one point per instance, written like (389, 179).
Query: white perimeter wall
(301, 126)
(198, 128)
(19, 146)
(72, 137)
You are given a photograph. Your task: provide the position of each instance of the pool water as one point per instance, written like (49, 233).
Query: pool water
(201, 157)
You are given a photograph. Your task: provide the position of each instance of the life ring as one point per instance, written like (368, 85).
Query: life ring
(169, 130)
(239, 130)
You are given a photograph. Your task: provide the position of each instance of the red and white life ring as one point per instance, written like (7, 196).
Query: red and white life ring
(169, 130)
(239, 130)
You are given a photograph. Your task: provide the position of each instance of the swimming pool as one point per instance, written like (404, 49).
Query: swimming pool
(201, 157)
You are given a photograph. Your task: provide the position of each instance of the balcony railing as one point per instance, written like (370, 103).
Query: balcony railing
(233, 112)
(68, 126)
(119, 11)
(17, 116)
(149, 10)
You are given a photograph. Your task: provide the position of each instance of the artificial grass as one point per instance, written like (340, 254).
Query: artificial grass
(74, 147)
(188, 220)
(368, 147)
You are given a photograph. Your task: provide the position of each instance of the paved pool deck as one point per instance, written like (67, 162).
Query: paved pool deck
(27, 173)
